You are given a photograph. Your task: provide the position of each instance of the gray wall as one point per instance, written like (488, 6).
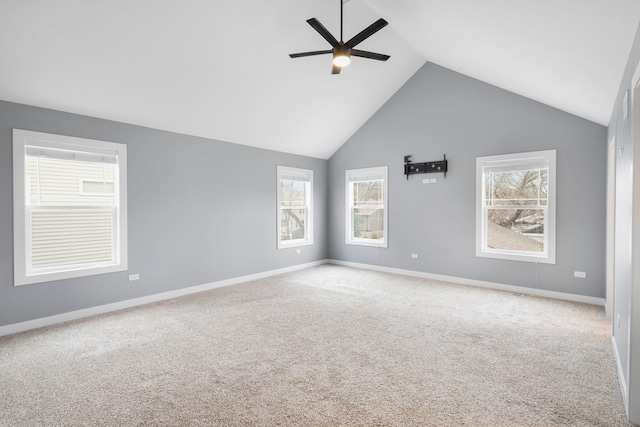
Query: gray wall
(626, 303)
(441, 112)
(199, 211)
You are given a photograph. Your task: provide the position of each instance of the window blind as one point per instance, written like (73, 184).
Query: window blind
(365, 177)
(71, 237)
(514, 165)
(295, 177)
(72, 155)
(68, 226)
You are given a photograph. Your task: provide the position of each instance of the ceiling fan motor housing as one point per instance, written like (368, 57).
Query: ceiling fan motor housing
(342, 50)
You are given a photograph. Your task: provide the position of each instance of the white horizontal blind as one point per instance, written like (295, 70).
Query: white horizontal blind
(104, 156)
(512, 165)
(292, 176)
(69, 237)
(366, 176)
(68, 227)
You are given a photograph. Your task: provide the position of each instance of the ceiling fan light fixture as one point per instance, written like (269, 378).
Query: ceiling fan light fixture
(341, 55)
(341, 59)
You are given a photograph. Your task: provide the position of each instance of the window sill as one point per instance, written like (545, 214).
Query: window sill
(294, 244)
(35, 278)
(541, 259)
(376, 243)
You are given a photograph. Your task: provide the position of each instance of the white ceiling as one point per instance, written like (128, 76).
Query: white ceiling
(221, 69)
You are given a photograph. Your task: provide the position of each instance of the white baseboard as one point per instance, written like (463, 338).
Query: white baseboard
(78, 314)
(476, 283)
(621, 380)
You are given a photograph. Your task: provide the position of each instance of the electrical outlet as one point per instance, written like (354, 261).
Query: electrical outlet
(618, 320)
(414, 256)
(580, 274)
(133, 277)
(298, 251)
(433, 180)
(426, 181)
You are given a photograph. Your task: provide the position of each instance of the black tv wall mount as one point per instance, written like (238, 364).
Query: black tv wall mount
(426, 167)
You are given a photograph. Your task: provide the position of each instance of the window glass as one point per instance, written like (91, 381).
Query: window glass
(366, 207)
(294, 207)
(516, 214)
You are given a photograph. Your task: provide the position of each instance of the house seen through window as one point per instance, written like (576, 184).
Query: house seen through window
(69, 207)
(295, 214)
(366, 216)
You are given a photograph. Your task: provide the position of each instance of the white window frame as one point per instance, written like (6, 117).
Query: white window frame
(21, 228)
(535, 157)
(305, 175)
(353, 175)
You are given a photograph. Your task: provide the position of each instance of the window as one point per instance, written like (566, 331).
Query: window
(295, 207)
(515, 206)
(69, 207)
(96, 188)
(366, 219)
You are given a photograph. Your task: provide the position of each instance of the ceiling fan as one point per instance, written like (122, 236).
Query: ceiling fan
(342, 51)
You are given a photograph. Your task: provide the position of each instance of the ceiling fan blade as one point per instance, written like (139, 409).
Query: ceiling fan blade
(323, 32)
(335, 69)
(367, 32)
(370, 55)
(312, 53)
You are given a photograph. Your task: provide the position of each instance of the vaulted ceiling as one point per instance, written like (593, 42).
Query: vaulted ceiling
(221, 70)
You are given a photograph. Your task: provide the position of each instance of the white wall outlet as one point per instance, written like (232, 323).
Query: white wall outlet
(618, 320)
(426, 181)
(580, 274)
(298, 251)
(433, 180)
(133, 277)
(414, 256)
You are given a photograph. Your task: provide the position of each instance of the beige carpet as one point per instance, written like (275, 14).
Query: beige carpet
(325, 346)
